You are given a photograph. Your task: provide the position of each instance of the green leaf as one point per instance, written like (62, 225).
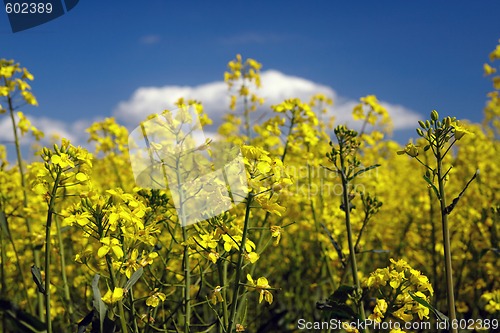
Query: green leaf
(134, 278)
(341, 295)
(98, 303)
(439, 315)
(37, 277)
(335, 245)
(359, 172)
(336, 305)
(448, 209)
(338, 311)
(4, 224)
(23, 321)
(428, 180)
(375, 251)
(86, 321)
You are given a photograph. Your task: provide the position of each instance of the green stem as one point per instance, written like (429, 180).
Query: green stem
(246, 113)
(222, 267)
(36, 252)
(132, 310)
(3, 282)
(114, 284)
(48, 225)
(446, 243)
(3, 219)
(67, 296)
(237, 284)
(187, 281)
(433, 250)
(316, 226)
(292, 123)
(115, 169)
(352, 254)
(186, 262)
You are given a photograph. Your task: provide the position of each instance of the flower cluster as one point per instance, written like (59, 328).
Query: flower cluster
(491, 301)
(303, 224)
(400, 287)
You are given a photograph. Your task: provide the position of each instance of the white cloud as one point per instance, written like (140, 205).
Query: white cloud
(74, 131)
(276, 87)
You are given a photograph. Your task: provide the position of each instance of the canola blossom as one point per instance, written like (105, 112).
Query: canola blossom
(332, 222)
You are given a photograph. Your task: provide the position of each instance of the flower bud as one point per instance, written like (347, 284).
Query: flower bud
(434, 115)
(447, 121)
(421, 123)
(420, 132)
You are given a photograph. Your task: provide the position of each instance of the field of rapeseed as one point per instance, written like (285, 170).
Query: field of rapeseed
(334, 225)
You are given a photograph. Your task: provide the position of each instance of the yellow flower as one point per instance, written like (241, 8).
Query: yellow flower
(24, 124)
(113, 296)
(396, 278)
(462, 307)
(270, 205)
(63, 160)
(349, 328)
(29, 98)
(147, 259)
(40, 188)
(276, 233)
(488, 70)
(492, 300)
(422, 311)
(495, 54)
(379, 310)
(252, 257)
(27, 75)
(262, 286)
(110, 244)
(81, 177)
(459, 130)
(81, 218)
(235, 241)
(213, 256)
(207, 241)
(216, 296)
(403, 314)
(377, 278)
(131, 265)
(410, 149)
(154, 299)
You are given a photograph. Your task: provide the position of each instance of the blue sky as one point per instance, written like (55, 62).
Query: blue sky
(418, 55)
